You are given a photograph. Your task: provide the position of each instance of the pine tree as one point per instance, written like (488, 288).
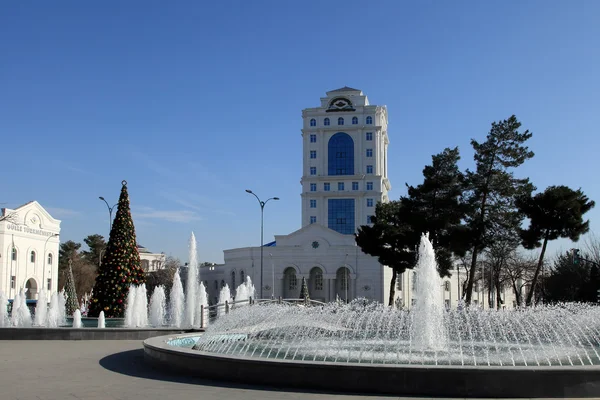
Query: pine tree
(555, 213)
(492, 188)
(72, 302)
(304, 290)
(121, 265)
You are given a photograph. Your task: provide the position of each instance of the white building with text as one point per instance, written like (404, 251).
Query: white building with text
(29, 239)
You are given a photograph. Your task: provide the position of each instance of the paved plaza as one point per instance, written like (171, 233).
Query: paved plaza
(105, 369)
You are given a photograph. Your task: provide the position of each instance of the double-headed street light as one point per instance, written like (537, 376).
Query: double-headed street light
(110, 209)
(262, 214)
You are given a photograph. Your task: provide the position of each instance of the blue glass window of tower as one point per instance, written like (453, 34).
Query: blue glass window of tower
(326, 187)
(340, 155)
(369, 219)
(326, 122)
(369, 120)
(369, 152)
(313, 219)
(313, 122)
(369, 169)
(369, 135)
(313, 204)
(369, 202)
(341, 215)
(354, 121)
(313, 170)
(313, 154)
(340, 121)
(354, 185)
(340, 185)
(369, 185)
(313, 187)
(313, 138)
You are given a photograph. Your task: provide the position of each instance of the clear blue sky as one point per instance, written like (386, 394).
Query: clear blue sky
(193, 102)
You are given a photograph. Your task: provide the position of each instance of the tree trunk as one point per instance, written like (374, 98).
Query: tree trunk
(517, 294)
(392, 288)
(499, 299)
(537, 271)
(471, 275)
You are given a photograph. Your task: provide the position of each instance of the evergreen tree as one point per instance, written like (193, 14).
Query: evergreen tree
(390, 239)
(492, 188)
(68, 251)
(72, 301)
(569, 281)
(435, 206)
(555, 213)
(121, 266)
(304, 290)
(97, 246)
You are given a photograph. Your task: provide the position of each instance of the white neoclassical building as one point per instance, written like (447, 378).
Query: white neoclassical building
(345, 142)
(345, 146)
(29, 239)
(151, 261)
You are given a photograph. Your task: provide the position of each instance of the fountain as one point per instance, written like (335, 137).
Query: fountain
(136, 310)
(41, 309)
(224, 296)
(192, 285)
(157, 307)
(20, 316)
(177, 301)
(244, 291)
(363, 346)
(101, 320)
(77, 319)
(4, 319)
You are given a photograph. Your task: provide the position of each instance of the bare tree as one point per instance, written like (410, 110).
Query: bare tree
(9, 217)
(591, 248)
(519, 270)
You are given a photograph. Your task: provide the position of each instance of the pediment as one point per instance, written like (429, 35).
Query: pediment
(34, 216)
(311, 233)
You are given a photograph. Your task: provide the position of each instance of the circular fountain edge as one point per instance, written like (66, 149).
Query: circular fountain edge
(413, 380)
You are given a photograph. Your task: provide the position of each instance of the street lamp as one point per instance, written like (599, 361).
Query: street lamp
(262, 214)
(109, 213)
(45, 261)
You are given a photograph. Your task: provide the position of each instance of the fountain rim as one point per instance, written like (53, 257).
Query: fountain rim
(160, 343)
(396, 379)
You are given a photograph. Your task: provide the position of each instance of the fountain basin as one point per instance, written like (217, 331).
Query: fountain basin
(405, 380)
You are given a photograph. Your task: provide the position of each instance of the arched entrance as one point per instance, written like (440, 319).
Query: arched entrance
(32, 289)
(291, 287)
(316, 286)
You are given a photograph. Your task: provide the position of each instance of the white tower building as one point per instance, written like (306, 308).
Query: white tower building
(344, 172)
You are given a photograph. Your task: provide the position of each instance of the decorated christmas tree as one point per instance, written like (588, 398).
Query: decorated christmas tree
(72, 303)
(121, 265)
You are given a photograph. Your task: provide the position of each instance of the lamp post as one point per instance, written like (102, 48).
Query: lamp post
(273, 272)
(262, 214)
(45, 261)
(110, 209)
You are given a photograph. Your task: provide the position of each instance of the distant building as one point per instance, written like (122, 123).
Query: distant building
(151, 261)
(29, 243)
(344, 175)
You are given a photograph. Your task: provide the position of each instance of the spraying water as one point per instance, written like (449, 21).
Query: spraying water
(202, 301)
(62, 308)
(224, 296)
(244, 291)
(4, 320)
(136, 310)
(101, 320)
(177, 301)
(192, 284)
(157, 307)
(54, 314)
(41, 310)
(428, 320)
(21, 316)
(77, 318)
